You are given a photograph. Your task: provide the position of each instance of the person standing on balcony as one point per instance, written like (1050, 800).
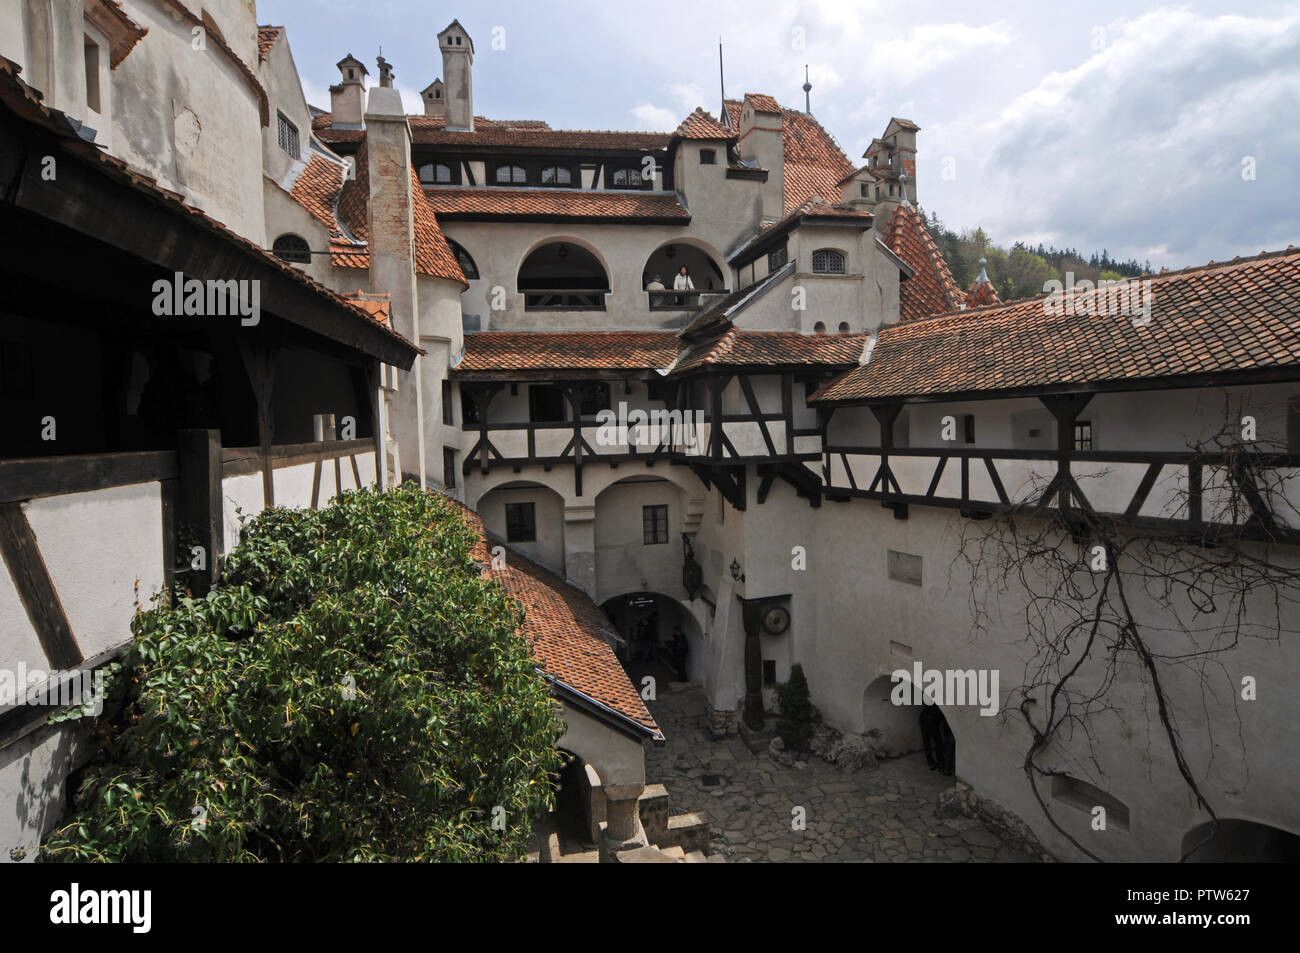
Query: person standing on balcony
(683, 283)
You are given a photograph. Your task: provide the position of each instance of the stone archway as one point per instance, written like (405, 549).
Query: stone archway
(899, 726)
(638, 616)
(1239, 840)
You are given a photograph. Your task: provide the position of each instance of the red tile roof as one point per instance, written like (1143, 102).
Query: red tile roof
(492, 201)
(982, 294)
(763, 103)
(702, 125)
(815, 165)
(506, 351)
(433, 256)
(1240, 316)
(317, 189)
(566, 630)
(736, 347)
(123, 33)
(931, 290)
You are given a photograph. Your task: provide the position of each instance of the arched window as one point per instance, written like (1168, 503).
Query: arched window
(466, 262)
(557, 175)
(435, 173)
(844, 327)
(819, 327)
(627, 179)
(292, 248)
(827, 261)
(511, 175)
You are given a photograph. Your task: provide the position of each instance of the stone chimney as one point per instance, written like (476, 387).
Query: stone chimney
(457, 71)
(435, 99)
(892, 158)
(761, 140)
(348, 98)
(391, 223)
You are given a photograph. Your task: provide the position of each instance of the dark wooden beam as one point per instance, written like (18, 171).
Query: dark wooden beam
(36, 589)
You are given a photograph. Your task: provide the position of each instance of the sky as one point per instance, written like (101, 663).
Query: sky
(1168, 133)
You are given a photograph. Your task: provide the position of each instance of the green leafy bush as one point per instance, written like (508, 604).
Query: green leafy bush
(353, 690)
(795, 726)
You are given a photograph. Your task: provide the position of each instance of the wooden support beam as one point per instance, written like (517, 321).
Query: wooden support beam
(36, 589)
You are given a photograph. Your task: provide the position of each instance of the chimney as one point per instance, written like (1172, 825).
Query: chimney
(761, 140)
(893, 158)
(348, 98)
(457, 62)
(435, 99)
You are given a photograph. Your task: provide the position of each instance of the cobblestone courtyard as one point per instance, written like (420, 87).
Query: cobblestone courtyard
(883, 816)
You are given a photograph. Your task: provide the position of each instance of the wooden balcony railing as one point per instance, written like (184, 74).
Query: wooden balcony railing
(564, 299)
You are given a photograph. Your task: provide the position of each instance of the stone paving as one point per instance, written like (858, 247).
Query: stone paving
(883, 816)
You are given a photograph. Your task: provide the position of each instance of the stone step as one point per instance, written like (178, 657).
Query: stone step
(581, 857)
(644, 855)
(676, 853)
(696, 857)
(688, 831)
(652, 807)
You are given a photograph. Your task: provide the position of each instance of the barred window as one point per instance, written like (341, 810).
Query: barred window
(521, 523)
(292, 248)
(287, 135)
(654, 523)
(826, 261)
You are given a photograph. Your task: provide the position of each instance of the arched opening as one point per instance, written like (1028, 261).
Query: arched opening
(466, 261)
(663, 275)
(529, 517)
(573, 822)
(1237, 841)
(659, 637)
(292, 248)
(562, 276)
(903, 729)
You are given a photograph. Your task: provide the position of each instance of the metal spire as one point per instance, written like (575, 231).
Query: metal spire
(807, 91)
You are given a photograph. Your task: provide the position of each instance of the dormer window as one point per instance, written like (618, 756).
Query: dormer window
(286, 134)
(557, 175)
(627, 179)
(436, 173)
(352, 74)
(511, 175)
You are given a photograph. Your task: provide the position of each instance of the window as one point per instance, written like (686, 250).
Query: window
(654, 524)
(865, 190)
(545, 404)
(1083, 435)
(521, 523)
(891, 188)
(92, 74)
(557, 175)
(293, 248)
(449, 468)
(968, 423)
(627, 179)
(436, 173)
(819, 327)
(447, 416)
(708, 157)
(777, 259)
(844, 327)
(826, 261)
(511, 175)
(468, 409)
(593, 398)
(467, 264)
(287, 135)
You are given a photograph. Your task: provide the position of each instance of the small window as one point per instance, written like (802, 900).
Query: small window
(436, 173)
(521, 523)
(1083, 435)
(292, 248)
(557, 175)
(466, 262)
(865, 190)
(545, 404)
(708, 157)
(777, 259)
(654, 524)
(92, 75)
(627, 179)
(287, 135)
(511, 175)
(969, 427)
(447, 416)
(844, 327)
(826, 261)
(449, 468)
(819, 327)
(891, 188)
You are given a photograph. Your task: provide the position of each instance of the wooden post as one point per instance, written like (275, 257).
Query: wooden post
(750, 615)
(199, 515)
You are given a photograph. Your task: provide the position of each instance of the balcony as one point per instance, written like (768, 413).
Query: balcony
(564, 299)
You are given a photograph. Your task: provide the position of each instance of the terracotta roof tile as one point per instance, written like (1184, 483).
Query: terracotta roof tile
(815, 165)
(1217, 319)
(463, 203)
(702, 125)
(266, 37)
(567, 350)
(317, 189)
(931, 290)
(112, 20)
(736, 347)
(982, 294)
(763, 103)
(566, 630)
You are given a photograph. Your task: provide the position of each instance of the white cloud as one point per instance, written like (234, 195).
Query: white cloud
(656, 118)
